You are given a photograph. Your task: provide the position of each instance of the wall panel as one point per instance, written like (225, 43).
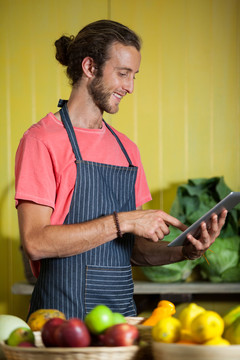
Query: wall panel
(184, 114)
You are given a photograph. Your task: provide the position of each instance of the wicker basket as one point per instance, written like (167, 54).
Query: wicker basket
(87, 353)
(141, 352)
(163, 351)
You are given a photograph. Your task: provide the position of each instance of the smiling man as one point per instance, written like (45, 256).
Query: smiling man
(80, 186)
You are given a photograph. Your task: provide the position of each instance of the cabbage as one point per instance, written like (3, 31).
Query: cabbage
(193, 200)
(198, 196)
(224, 265)
(169, 273)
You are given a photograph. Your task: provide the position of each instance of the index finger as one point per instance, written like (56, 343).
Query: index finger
(170, 220)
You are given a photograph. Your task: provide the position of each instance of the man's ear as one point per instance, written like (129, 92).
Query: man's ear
(88, 67)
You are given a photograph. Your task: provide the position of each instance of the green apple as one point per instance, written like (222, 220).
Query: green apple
(19, 336)
(118, 318)
(99, 319)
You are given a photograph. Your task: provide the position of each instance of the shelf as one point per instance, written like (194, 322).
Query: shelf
(145, 287)
(22, 288)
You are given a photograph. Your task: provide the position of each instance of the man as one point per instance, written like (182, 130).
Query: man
(80, 186)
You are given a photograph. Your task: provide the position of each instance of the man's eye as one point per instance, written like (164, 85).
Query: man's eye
(122, 74)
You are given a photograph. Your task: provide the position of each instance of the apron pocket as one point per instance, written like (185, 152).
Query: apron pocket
(110, 286)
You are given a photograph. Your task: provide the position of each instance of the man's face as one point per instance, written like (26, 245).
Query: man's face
(117, 77)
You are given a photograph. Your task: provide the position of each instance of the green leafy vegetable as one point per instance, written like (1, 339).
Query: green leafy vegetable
(193, 200)
(223, 261)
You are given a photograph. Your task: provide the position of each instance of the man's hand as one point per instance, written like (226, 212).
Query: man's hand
(149, 224)
(195, 248)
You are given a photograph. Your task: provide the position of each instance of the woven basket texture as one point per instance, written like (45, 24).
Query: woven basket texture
(163, 351)
(101, 353)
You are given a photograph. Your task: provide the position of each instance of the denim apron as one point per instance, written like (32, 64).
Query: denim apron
(103, 275)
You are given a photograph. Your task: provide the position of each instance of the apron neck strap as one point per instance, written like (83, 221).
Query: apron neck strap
(72, 137)
(69, 128)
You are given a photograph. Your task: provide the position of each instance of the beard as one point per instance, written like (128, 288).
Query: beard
(101, 96)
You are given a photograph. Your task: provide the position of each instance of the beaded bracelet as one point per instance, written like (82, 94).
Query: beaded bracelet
(119, 233)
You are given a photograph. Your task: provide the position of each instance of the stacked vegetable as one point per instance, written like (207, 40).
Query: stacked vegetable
(192, 201)
(194, 325)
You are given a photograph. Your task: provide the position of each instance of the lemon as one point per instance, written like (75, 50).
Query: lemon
(217, 341)
(167, 330)
(185, 335)
(232, 332)
(187, 315)
(231, 316)
(206, 326)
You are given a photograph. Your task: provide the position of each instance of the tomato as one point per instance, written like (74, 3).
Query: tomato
(99, 319)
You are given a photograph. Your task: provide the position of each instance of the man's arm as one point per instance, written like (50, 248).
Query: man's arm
(40, 239)
(146, 253)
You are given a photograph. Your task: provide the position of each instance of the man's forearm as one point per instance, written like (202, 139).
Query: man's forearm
(147, 253)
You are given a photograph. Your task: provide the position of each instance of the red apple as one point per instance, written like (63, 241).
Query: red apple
(48, 331)
(120, 335)
(26, 344)
(73, 333)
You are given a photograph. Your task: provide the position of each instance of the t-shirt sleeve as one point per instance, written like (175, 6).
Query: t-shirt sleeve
(34, 173)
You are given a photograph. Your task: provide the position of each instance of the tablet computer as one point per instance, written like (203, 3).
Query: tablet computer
(227, 203)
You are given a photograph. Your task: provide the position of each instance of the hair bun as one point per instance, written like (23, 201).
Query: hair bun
(62, 45)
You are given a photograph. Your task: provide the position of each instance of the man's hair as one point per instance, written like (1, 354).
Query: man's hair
(94, 40)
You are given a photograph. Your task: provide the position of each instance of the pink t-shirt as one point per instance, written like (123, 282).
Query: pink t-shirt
(45, 164)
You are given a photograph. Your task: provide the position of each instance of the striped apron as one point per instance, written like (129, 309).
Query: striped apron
(103, 275)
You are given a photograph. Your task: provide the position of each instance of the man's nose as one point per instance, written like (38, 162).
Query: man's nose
(129, 86)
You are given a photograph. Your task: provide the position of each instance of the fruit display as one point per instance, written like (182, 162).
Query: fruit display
(196, 325)
(190, 331)
(101, 327)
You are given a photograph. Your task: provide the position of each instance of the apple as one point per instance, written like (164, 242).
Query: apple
(26, 344)
(8, 323)
(118, 318)
(99, 319)
(20, 335)
(48, 331)
(121, 335)
(72, 333)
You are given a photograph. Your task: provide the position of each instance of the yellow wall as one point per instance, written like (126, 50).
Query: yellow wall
(184, 114)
